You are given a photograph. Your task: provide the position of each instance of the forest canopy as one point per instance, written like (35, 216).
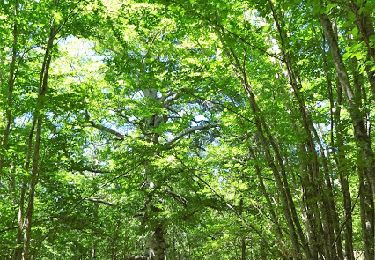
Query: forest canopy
(187, 129)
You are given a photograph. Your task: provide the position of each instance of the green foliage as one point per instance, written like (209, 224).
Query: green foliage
(148, 125)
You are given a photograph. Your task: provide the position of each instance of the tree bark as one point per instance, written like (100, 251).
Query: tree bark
(37, 121)
(157, 242)
(263, 189)
(365, 158)
(337, 132)
(313, 182)
(276, 163)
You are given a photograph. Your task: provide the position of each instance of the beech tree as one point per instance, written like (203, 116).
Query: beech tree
(172, 129)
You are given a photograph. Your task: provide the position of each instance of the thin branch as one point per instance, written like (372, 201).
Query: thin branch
(191, 130)
(100, 201)
(89, 169)
(104, 128)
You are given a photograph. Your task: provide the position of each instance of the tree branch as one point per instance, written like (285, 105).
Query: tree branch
(191, 130)
(104, 128)
(97, 200)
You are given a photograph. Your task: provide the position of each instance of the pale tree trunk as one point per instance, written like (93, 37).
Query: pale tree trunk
(156, 242)
(20, 222)
(365, 159)
(339, 155)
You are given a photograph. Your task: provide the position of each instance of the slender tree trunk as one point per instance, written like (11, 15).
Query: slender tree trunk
(263, 189)
(20, 224)
(366, 30)
(278, 169)
(365, 163)
(37, 120)
(243, 248)
(9, 92)
(243, 236)
(339, 156)
(94, 243)
(314, 184)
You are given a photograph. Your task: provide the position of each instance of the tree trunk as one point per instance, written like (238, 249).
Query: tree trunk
(37, 121)
(158, 247)
(337, 130)
(243, 236)
(21, 214)
(313, 183)
(366, 30)
(20, 225)
(9, 92)
(365, 159)
(157, 242)
(263, 189)
(278, 169)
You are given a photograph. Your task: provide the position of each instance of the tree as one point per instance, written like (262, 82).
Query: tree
(186, 129)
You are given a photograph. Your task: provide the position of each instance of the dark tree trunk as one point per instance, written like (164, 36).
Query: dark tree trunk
(37, 122)
(319, 208)
(9, 92)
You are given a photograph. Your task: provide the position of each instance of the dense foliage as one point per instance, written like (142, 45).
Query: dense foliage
(175, 129)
